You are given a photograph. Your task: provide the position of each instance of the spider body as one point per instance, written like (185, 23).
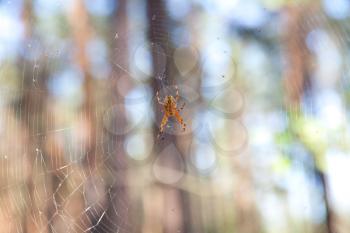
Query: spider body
(170, 110)
(169, 106)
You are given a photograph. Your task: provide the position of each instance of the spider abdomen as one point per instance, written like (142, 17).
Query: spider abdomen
(169, 109)
(170, 106)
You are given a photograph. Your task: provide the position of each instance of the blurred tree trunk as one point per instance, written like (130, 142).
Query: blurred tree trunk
(32, 111)
(117, 217)
(296, 73)
(246, 215)
(81, 35)
(175, 212)
(297, 83)
(81, 32)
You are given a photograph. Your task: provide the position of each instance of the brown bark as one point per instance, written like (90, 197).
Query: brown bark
(81, 35)
(32, 111)
(296, 74)
(246, 215)
(81, 32)
(117, 216)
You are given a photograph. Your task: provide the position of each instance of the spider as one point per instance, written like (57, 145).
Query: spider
(170, 109)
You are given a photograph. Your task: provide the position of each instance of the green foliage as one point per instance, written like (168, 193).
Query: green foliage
(284, 138)
(281, 165)
(313, 136)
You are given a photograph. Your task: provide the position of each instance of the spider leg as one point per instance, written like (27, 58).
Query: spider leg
(162, 124)
(158, 99)
(180, 120)
(182, 107)
(177, 93)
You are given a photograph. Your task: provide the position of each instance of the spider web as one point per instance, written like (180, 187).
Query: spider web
(46, 183)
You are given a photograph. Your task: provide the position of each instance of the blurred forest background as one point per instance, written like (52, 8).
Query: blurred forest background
(265, 85)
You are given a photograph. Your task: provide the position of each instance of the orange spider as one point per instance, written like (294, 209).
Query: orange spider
(170, 109)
